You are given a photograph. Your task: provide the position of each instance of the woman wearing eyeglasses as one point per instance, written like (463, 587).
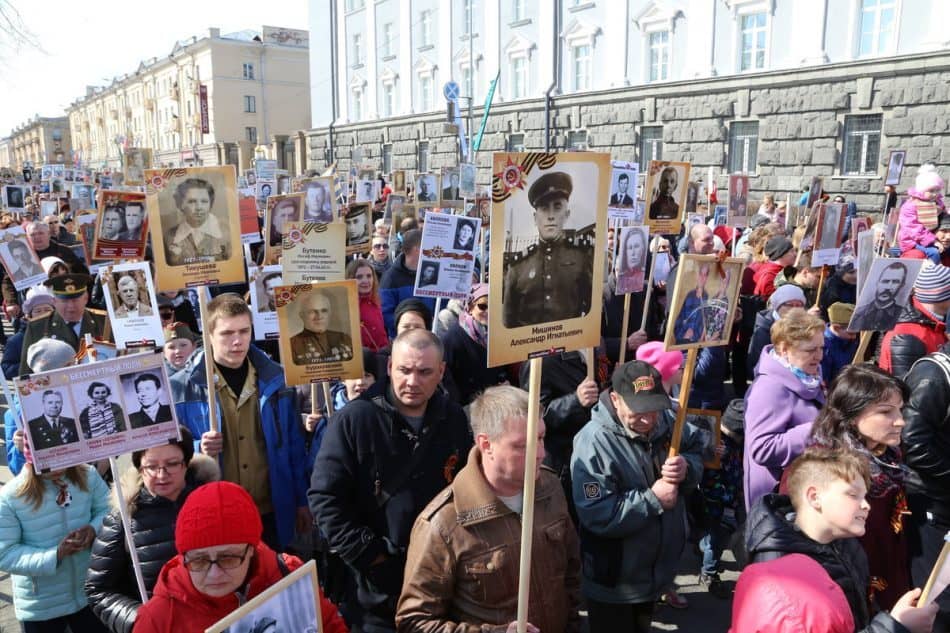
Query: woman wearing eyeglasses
(466, 350)
(47, 524)
(221, 564)
(156, 486)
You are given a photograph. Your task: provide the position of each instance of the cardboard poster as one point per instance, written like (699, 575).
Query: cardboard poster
(399, 181)
(266, 169)
(319, 201)
(247, 208)
(15, 196)
(263, 285)
(196, 236)
(48, 208)
(895, 167)
(450, 196)
(83, 196)
(84, 413)
(549, 213)
(630, 264)
(319, 332)
(19, 259)
(367, 188)
(427, 188)
(738, 200)
(292, 604)
(394, 209)
(280, 211)
(314, 252)
(885, 293)
(132, 307)
(865, 252)
(624, 177)
(137, 160)
(703, 307)
(467, 172)
(265, 189)
(830, 227)
(447, 256)
(359, 225)
(122, 226)
(665, 192)
(86, 229)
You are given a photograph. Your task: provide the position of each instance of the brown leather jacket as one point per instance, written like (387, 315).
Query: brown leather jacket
(462, 568)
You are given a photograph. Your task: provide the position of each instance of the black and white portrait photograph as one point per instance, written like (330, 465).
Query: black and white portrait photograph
(623, 184)
(137, 160)
(264, 282)
(281, 211)
(100, 408)
(450, 187)
(131, 305)
(131, 296)
(84, 195)
(738, 196)
(14, 197)
(152, 398)
(428, 273)
(394, 209)
(692, 197)
(358, 228)
(814, 192)
(19, 259)
(427, 188)
(399, 181)
(319, 320)
(665, 191)
(265, 189)
(265, 287)
(319, 203)
(366, 187)
(895, 167)
(465, 234)
(884, 295)
(467, 173)
(123, 225)
(831, 226)
(631, 259)
(51, 420)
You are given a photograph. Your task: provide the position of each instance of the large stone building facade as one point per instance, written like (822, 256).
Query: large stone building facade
(252, 87)
(39, 140)
(728, 85)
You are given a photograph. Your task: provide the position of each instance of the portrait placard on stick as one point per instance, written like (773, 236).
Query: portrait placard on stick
(447, 256)
(264, 282)
(665, 191)
(394, 209)
(427, 188)
(132, 307)
(703, 306)
(19, 259)
(281, 210)
(467, 187)
(320, 332)
(550, 220)
(291, 604)
(399, 181)
(895, 167)
(84, 413)
(885, 293)
(137, 160)
(86, 229)
(14, 197)
(738, 200)
(197, 236)
(319, 201)
(266, 169)
(631, 260)
(831, 218)
(865, 252)
(451, 195)
(313, 252)
(122, 227)
(623, 184)
(359, 220)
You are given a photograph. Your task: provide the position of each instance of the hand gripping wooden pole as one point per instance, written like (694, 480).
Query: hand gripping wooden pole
(209, 361)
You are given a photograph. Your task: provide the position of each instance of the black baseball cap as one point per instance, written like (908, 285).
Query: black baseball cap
(641, 387)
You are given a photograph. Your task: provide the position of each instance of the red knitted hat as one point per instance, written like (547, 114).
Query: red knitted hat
(219, 513)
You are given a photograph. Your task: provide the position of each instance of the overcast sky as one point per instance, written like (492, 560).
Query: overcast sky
(88, 42)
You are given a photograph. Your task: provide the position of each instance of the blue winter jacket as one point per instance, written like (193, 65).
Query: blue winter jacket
(43, 588)
(397, 284)
(15, 459)
(630, 546)
(838, 353)
(280, 418)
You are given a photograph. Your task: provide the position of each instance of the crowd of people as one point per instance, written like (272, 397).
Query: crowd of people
(824, 469)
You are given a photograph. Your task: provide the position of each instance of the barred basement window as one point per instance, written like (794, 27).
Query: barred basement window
(861, 146)
(577, 140)
(651, 145)
(422, 156)
(515, 143)
(743, 146)
(388, 158)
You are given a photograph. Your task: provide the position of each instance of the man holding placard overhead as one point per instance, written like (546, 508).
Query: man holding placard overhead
(551, 280)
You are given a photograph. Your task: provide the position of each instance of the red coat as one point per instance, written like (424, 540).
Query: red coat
(765, 279)
(791, 594)
(177, 607)
(916, 321)
(372, 326)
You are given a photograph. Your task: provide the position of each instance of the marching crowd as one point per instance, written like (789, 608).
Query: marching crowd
(828, 477)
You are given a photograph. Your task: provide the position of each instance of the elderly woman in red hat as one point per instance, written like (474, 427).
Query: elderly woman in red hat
(221, 564)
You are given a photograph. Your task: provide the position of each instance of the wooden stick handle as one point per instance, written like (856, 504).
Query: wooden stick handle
(326, 398)
(624, 328)
(821, 282)
(527, 514)
(934, 573)
(314, 405)
(209, 361)
(649, 285)
(591, 362)
(862, 347)
(685, 386)
(127, 527)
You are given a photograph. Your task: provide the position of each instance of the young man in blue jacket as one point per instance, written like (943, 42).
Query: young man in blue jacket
(260, 443)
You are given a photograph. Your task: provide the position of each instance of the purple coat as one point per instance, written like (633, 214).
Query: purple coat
(779, 411)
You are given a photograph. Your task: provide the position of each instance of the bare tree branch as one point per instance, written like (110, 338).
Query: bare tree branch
(14, 33)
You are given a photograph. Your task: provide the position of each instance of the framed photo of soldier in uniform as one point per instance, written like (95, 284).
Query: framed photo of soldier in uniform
(132, 306)
(895, 167)
(427, 188)
(319, 331)
(451, 196)
(137, 160)
(196, 233)
(665, 192)
(399, 181)
(550, 217)
(359, 220)
(281, 211)
(703, 307)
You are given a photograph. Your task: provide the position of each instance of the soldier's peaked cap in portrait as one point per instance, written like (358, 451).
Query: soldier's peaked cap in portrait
(555, 184)
(69, 286)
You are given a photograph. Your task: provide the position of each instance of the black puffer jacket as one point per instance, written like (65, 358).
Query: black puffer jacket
(110, 583)
(771, 533)
(925, 438)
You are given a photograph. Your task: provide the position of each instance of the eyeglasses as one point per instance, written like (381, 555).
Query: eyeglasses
(382, 246)
(225, 562)
(168, 468)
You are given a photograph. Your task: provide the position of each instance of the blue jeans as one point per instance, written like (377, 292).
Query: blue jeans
(930, 251)
(712, 544)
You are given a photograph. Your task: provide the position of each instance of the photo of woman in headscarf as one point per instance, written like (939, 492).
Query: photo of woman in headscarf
(631, 259)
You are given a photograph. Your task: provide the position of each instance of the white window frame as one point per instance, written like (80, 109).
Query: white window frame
(513, 147)
(654, 143)
(425, 28)
(247, 133)
(519, 49)
(577, 66)
(662, 51)
(740, 9)
(745, 167)
(422, 166)
(517, 10)
(864, 139)
(250, 104)
(518, 78)
(386, 158)
(578, 35)
(657, 17)
(247, 71)
(357, 49)
(856, 23)
(388, 92)
(358, 93)
(425, 74)
(387, 39)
